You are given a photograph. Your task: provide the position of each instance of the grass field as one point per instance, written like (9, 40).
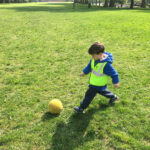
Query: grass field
(43, 50)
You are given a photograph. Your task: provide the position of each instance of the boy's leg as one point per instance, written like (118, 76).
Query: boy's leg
(89, 95)
(109, 94)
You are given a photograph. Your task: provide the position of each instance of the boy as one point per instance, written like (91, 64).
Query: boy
(100, 68)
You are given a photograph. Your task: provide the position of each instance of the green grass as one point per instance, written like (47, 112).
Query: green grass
(43, 49)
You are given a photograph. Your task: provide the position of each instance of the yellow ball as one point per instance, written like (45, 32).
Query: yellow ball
(55, 106)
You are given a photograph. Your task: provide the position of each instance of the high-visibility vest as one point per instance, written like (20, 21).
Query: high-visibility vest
(98, 78)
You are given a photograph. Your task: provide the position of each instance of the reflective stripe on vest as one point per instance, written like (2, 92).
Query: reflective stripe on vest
(98, 73)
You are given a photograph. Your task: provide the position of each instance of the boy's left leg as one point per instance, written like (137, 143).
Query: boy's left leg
(110, 95)
(89, 95)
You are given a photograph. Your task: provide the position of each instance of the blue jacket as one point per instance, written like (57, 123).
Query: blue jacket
(108, 69)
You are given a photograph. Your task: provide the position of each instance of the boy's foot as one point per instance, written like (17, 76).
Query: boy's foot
(112, 100)
(78, 109)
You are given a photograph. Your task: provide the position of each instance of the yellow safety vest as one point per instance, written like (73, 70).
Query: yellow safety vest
(98, 78)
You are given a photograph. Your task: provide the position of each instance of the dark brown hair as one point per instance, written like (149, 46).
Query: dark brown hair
(96, 48)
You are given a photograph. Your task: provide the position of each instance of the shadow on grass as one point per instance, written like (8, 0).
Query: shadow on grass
(61, 8)
(67, 7)
(143, 10)
(48, 116)
(74, 133)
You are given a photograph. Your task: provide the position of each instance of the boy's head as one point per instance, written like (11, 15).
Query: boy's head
(96, 50)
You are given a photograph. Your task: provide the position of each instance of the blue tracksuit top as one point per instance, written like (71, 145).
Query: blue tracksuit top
(108, 69)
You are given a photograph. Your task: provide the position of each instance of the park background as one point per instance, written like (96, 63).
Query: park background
(43, 50)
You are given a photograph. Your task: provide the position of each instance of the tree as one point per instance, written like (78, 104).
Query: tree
(112, 3)
(132, 4)
(106, 3)
(6, 1)
(121, 2)
(143, 4)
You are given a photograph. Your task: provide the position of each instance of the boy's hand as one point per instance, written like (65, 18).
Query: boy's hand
(82, 74)
(116, 85)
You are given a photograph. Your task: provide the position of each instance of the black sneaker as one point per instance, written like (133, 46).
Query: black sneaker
(78, 109)
(112, 100)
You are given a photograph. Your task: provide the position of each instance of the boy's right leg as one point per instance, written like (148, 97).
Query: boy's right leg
(89, 95)
(110, 95)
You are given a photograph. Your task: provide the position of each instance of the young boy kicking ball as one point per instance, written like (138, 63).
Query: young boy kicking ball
(100, 68)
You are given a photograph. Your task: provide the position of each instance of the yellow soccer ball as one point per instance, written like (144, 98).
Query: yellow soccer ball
(55, 106)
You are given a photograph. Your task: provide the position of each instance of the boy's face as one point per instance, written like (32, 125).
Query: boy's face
(96, 56)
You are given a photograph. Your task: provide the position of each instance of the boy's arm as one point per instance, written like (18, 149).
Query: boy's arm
(109, 70)
(87, 69)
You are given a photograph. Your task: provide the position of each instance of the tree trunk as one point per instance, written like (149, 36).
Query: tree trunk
(106, 3)
(89, 5)
(143, 5)
(132, 3)
(112, 3)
